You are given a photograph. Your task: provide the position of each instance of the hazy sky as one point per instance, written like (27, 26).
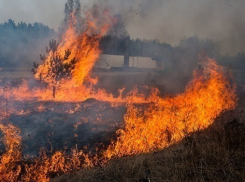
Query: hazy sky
(48, 12)
(166, 20)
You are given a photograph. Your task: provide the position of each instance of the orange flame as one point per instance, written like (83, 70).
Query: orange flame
(83, 46)
(160, 123)
(169, 120)
(9, 171)
(155, 124)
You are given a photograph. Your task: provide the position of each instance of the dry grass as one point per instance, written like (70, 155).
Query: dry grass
(215, 154)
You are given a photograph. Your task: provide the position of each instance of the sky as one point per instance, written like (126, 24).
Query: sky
(49, 12)
(166, 20)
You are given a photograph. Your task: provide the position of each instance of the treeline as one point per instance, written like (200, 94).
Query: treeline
(135, 47)
(21, 43)
(236, 62)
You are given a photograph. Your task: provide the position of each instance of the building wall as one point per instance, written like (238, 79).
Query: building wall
(142, 62)
(107, 61)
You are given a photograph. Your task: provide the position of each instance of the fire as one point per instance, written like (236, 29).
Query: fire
(152, 124)
(83, 46)
(148, 127)
(169, 120)
(13, 168)
(77, 53)
(80, 48)
(8, 170)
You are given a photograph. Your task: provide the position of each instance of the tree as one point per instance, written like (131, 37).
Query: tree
(58, 69)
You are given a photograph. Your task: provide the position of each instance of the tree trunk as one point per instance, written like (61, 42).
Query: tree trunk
(54, 88)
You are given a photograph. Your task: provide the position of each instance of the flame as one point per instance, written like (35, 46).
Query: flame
(8, 170)
(83, 46)
(12, 167)
(153, 125)
(169, 120)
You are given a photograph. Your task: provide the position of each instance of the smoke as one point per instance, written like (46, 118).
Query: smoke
(168, 21)
(172, 21)
(21, 44)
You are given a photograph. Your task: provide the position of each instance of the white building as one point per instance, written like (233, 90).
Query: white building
(142, 62)
(107, 61)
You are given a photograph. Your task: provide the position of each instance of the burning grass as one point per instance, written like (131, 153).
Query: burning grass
(152, 127)
(169, 120)
(62, 126)
(151, 122)
(213, 154)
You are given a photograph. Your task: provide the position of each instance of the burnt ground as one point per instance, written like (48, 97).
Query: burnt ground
(85, 125)
(56, 126)
(62, 126)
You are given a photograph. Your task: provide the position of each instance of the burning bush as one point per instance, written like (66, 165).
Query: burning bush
(59, 69)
